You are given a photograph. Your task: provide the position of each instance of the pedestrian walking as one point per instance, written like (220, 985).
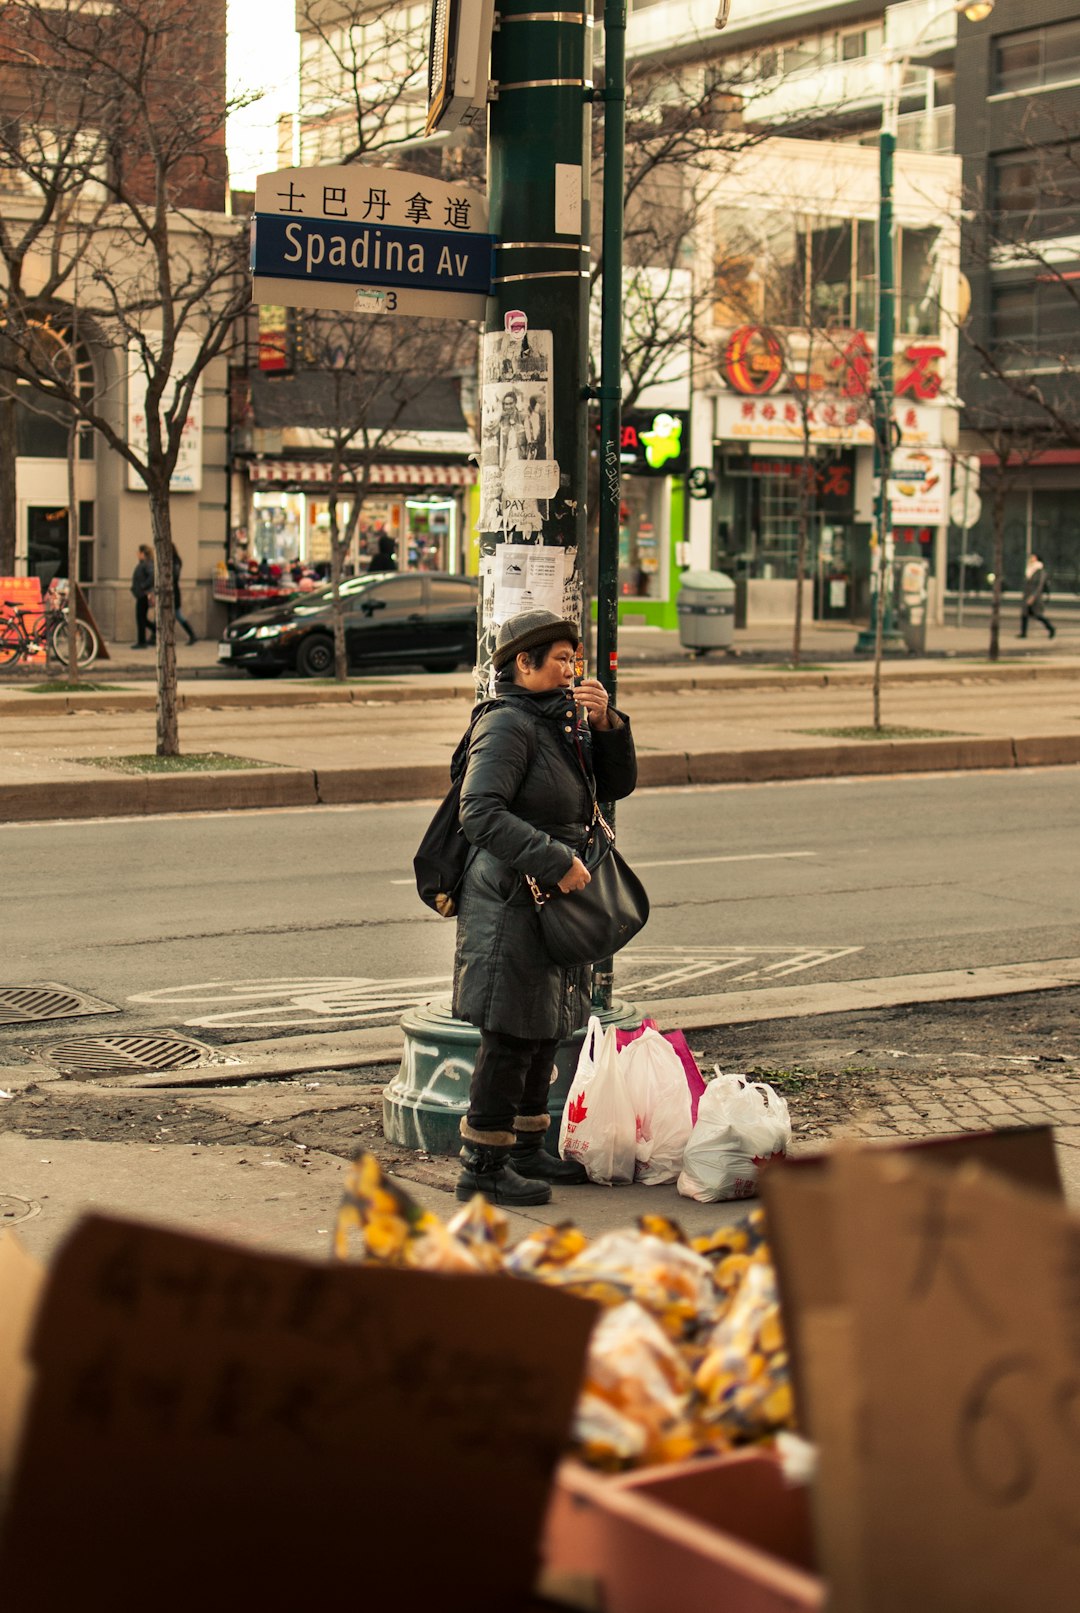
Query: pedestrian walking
(1035, 593)
(142, 586)
(384, 558)
(177, 566)
(537, 759)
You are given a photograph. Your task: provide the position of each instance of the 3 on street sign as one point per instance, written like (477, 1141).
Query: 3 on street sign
(372, 240)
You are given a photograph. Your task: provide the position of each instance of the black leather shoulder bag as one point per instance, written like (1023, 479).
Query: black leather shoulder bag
(584, 926)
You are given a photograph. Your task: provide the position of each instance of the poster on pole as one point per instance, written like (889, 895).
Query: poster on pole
(518, 469)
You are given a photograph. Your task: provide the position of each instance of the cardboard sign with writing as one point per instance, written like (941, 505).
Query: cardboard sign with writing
(939, 1361)
(209, 1419)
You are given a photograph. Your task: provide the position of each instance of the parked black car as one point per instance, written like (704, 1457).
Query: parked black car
(424, 617)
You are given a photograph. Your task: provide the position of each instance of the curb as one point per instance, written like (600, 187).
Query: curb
(241, 791)
(729, 679)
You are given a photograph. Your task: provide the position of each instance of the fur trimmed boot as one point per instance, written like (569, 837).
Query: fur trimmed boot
(531, 1159)
(485, 1170)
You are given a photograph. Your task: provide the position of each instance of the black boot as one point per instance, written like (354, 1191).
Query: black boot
(485, 1170)
(531, 1159)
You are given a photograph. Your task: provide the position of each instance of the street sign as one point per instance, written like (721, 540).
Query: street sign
(965, 512)
(966, 505)
(370, 240)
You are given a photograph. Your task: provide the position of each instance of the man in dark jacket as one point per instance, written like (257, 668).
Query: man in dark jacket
(1035, 591)
(142, 586)
(526, 805)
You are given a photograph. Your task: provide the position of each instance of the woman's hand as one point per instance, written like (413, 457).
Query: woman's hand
(591, 695)
(576, 878)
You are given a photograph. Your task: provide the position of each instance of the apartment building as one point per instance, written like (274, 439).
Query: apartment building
(66, 126)
(1002, 93)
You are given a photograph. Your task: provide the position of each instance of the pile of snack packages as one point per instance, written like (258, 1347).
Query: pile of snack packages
(688, 1356)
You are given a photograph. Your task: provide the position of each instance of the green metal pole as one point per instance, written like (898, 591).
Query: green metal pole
(881, 628)
(538, 196)
(611, 308)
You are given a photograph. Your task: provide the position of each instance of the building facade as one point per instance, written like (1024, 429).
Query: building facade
(94, 148)
(1018, 132)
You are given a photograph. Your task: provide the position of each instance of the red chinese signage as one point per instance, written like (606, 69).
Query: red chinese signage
(753, 360)
(921, 381)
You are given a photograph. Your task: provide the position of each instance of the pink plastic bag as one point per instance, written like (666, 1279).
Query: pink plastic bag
(694, 1079)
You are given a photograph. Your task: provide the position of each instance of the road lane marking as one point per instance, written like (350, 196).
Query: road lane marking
(693, 862)
(745, 857)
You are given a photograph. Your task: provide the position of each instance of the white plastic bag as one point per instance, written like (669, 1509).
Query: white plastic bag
(656, 1081)
(599, 1126)
(741, 1125)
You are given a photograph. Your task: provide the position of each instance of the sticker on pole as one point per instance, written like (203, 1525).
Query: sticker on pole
(515, 322)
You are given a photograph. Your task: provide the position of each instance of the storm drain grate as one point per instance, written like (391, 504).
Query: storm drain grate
(120, 1055)
(45, 1000)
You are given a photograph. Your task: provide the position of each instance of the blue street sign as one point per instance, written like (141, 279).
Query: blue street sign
(319, 249)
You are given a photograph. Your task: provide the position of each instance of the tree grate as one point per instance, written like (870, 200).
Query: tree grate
(45, 1000)
(118, 1055)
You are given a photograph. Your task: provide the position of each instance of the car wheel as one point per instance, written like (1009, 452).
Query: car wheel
(315, 658)
(264, 671)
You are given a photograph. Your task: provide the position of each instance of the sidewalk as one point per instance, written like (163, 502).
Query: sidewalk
(724, 718)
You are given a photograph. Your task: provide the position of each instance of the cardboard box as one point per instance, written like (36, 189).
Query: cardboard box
(935, 1307)
(725, 1533)
(211, 1427)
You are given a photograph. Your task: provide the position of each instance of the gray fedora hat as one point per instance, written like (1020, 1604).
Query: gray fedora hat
(528, 631)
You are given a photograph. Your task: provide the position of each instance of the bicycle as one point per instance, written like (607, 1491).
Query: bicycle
(48, 630)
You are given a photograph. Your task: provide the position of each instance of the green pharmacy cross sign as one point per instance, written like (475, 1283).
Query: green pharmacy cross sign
(370, 240)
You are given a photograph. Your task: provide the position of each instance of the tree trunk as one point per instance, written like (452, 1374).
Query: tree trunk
(8, 506)
(1000, 488)
(341, 662)
(168, 730)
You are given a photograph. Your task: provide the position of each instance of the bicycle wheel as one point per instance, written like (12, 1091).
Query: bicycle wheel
(10, 643)
(86, 643)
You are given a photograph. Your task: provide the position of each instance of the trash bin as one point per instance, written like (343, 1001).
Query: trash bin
(706, 610)
(912, 581)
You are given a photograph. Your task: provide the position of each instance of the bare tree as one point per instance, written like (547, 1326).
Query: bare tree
(129, 196)
(364, 385)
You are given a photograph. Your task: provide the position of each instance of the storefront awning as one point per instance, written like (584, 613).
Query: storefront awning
(316, 473)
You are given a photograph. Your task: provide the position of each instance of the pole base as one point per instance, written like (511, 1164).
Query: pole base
(892, 642)
(424, 1103)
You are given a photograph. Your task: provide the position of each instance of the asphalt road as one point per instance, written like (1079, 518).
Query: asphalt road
(256, 925)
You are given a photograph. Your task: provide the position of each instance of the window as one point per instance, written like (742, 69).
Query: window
(1036, 193)
(400, 594)
(1037, 57)
(790, 272)
(859, 42)
(444, 592)
(829, 272)
(1037, 324)
(919, 287)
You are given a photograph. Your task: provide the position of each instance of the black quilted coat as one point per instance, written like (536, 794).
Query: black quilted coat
(526, 803)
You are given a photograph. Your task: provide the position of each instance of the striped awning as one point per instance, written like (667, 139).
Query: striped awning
(316, 473)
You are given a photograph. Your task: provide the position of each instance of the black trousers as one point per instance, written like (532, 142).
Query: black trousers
(144, 627)
(511, 1077)
(1035, 613)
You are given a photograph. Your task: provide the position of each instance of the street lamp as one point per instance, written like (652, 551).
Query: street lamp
(894, 62)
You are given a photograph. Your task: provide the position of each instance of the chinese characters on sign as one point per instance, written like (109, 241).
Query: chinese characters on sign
(831, 418)
(755, 359)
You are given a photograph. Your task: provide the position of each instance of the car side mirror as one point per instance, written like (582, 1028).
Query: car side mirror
(370, 606)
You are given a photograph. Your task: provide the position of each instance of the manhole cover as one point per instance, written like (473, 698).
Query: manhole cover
(46, 1000)
(119, 1055)
(13, 1209)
